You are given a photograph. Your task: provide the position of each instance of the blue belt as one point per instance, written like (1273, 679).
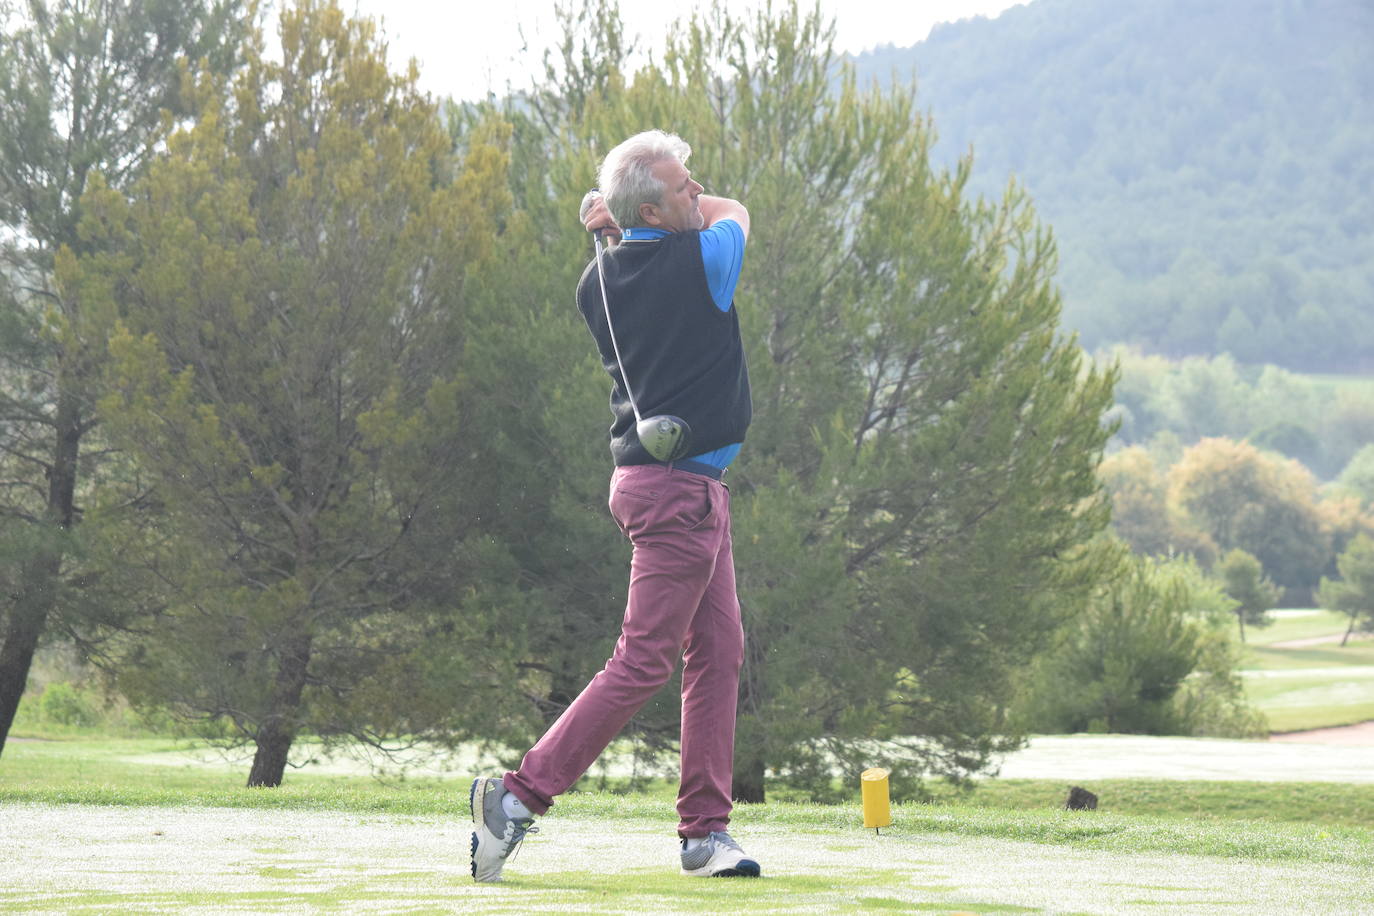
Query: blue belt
(696, 467)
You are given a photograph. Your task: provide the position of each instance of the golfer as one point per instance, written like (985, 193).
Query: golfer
(669, 287)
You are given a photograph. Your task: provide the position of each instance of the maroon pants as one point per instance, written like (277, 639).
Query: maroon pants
(682, 602)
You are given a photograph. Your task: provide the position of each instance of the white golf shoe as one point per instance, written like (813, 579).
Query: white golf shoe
(495, 834)
(718, 856)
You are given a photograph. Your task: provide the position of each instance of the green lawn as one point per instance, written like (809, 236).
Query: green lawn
(1297, 624)
(1309, 698)
(1356, 654)
(1308, 687)
(121, 772)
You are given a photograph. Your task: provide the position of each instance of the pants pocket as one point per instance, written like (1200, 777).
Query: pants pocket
(700, 510)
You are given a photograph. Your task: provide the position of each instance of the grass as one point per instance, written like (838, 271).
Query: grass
(96, 772)
(111, 773)
(1308, 698)
(142, 825)
(1325, 803)
(1265, 658)
(1297, 624)
(102, 826)
(1307, 687)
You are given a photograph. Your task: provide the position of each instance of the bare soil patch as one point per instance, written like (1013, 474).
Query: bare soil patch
(1359, 735)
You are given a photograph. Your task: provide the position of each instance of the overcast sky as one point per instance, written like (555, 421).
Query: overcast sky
(467, 48)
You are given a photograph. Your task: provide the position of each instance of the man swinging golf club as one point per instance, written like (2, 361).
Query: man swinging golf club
(660, 308)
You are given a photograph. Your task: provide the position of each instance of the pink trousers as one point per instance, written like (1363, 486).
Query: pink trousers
(682, 602)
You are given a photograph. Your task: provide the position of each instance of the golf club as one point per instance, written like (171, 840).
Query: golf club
(665, 437)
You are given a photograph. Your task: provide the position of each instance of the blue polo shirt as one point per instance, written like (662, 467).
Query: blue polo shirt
(722, 251)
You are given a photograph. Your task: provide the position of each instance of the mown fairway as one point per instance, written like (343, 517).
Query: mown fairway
(1316, 685)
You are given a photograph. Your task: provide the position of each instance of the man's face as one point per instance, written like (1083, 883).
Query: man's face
(679, 209)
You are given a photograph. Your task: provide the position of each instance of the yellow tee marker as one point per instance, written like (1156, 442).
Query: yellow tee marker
(877, 808)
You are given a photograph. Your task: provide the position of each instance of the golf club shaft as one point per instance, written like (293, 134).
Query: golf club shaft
(606, 304)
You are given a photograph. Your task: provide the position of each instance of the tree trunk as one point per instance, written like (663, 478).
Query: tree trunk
(1240, 618)
(1354, 616)
(38, 594)
(28, 615)
(749, 762)
(278, 729)
(748, 785)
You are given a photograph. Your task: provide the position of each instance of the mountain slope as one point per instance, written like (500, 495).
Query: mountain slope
(1208, 168)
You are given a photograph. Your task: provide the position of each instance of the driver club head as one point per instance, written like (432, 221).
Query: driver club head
(665, 437)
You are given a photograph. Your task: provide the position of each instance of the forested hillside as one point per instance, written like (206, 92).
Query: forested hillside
(1208, 167)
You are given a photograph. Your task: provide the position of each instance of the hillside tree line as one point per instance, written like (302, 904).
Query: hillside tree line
(1208, 166)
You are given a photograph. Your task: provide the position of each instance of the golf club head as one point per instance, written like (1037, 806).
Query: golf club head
(665, 437)
(588, 202)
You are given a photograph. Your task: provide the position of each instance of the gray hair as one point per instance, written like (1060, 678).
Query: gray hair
(627, 179)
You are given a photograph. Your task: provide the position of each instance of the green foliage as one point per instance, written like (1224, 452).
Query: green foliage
(86, 90)
(911, 503)
(1290, 439)
(1221, 495)
(1209, 182)
(1149, 656)
(1243, 578)
(1315, 422)
(64, 704)
(293, 277)
(1319, 422)
(1353, 593)
(1358, 475)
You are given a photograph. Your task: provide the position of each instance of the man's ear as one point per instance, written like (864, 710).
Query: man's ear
(648, 215)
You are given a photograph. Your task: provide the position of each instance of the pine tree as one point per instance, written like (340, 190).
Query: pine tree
(294, 276)
(912, 502)
(1255, 595)
(1352, 593)
(84, 92)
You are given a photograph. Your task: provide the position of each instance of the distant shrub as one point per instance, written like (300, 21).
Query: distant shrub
(1152, 654)
(63, 704)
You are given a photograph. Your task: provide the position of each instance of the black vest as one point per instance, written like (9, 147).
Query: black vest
(683, 355)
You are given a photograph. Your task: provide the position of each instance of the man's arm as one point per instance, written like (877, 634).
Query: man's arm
(715, 209)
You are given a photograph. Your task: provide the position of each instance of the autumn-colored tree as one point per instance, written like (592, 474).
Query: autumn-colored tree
(1264, 504)
(1140, 508)
(1344, 517)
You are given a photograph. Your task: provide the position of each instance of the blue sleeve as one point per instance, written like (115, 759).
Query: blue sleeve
(722, 251)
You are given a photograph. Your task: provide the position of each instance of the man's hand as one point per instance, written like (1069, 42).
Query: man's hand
(594, 216)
